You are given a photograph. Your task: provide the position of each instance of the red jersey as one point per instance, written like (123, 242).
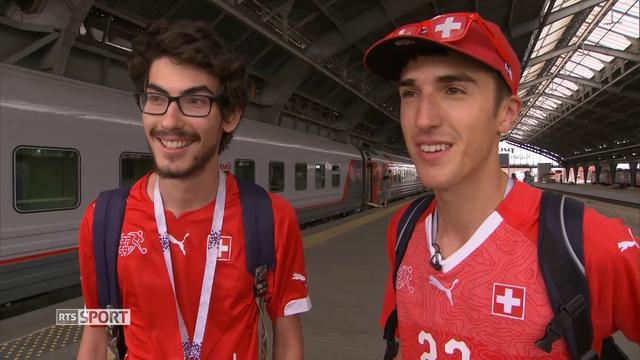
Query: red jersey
(231, 329)
(490, 300)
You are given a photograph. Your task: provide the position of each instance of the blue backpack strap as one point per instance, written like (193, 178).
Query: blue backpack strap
(257, 219)
(561, 258)
(407, 223)
(107, 226)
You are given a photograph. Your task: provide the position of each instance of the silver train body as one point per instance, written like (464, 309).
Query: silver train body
(64, 141)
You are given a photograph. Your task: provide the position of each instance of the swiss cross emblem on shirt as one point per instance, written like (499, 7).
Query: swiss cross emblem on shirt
(224, 249)
(508, 301)
(447, 27)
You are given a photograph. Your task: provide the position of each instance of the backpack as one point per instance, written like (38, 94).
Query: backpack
(108, 216)
(561, 258)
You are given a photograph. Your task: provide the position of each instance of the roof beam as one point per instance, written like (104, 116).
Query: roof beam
(612, 52)
(560, 98)
(537, 81)
(579, 80)
(551, 55)
(529, 26)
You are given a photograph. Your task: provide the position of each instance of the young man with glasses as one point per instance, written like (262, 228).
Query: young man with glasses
(469, 284)
(192, 95)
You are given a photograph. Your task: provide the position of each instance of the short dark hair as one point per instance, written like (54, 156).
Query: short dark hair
(193, 43)
(502, 90)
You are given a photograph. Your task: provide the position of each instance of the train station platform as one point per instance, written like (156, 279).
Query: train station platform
(623, 195)
(347, 269)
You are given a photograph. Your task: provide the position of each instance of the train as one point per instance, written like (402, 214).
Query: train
(63, 141)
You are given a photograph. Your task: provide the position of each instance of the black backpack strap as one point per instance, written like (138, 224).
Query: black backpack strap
(107, 226)
(561, 258)
(257, 219)
(404, 231)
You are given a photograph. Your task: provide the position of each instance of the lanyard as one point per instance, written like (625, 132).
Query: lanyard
(434, 250)
(192, 349)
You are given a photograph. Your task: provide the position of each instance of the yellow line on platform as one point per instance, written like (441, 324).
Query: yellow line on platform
(325, 235)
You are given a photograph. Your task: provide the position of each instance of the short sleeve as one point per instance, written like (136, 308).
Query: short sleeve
(86, 258)
(612, 261)
(288, 293)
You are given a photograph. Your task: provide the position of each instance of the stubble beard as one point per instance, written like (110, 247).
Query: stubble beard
(199, 163)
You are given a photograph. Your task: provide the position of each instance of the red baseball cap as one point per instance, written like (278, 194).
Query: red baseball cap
(467, 33)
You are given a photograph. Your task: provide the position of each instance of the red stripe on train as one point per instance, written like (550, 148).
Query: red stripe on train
(38, 256)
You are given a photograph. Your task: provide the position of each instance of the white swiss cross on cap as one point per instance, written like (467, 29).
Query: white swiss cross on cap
(449, 26)
(224, 250)
(508, 301)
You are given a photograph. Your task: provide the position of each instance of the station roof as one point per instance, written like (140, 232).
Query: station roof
(580, 85)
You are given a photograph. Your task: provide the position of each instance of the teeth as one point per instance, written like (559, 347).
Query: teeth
(434, 148)
(174, 144)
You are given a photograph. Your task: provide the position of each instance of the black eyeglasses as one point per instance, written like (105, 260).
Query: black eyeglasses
(189, 105)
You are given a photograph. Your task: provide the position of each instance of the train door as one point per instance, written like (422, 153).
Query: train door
(373, 182)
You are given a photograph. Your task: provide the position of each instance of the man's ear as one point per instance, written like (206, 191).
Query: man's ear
(508, 113)
(230, 124)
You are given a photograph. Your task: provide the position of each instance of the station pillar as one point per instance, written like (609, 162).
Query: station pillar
(598, 170)
(633, 169)
(565, 177)
(612, 173)
(575, 174)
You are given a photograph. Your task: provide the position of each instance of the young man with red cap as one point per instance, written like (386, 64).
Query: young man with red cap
(469, 284)
(181, 261)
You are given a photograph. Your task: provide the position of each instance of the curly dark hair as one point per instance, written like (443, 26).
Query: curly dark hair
(193, 43)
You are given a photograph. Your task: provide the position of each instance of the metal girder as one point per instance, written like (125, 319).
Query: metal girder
(599, 49)
(630, 147)
(579, 80)
(284, 44)
(56, 57)
(637, 66)
(100, 4)
(612, 52)
(174, 8)
(551, 55)
(529, 26)
(360, 26)
(304, 21)
(533, 82)
(35, 46)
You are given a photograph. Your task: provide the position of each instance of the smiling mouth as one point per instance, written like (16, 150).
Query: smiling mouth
(434, 148)
(175, 144)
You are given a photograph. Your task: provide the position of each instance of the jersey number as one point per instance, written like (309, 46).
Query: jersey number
(449, 348)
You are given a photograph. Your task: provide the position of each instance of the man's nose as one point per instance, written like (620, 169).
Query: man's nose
(428, 112)
(173, 118)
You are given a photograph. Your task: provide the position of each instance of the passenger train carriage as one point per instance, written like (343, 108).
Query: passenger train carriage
(63, 141)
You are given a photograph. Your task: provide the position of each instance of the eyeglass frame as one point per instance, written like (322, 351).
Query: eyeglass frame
(170, 99)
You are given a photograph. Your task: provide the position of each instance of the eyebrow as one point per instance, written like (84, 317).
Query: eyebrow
(443, 79)
(189, 91)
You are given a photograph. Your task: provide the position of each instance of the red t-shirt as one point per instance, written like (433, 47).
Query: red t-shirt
(231, 330)
(490, 301)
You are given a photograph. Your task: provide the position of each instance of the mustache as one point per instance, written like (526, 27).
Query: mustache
(177, 133)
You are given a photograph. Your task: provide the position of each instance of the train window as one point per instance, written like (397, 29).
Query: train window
(46, 179)
(133, 166)
(320, 176)
(335, 176)
(245, 170)
(276, 176)
(301, 176)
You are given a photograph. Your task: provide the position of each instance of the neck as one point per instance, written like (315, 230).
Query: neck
(463, 208)
(181, 195)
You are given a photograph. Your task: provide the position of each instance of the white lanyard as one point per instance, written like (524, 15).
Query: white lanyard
(193, 348)
(434, 221)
